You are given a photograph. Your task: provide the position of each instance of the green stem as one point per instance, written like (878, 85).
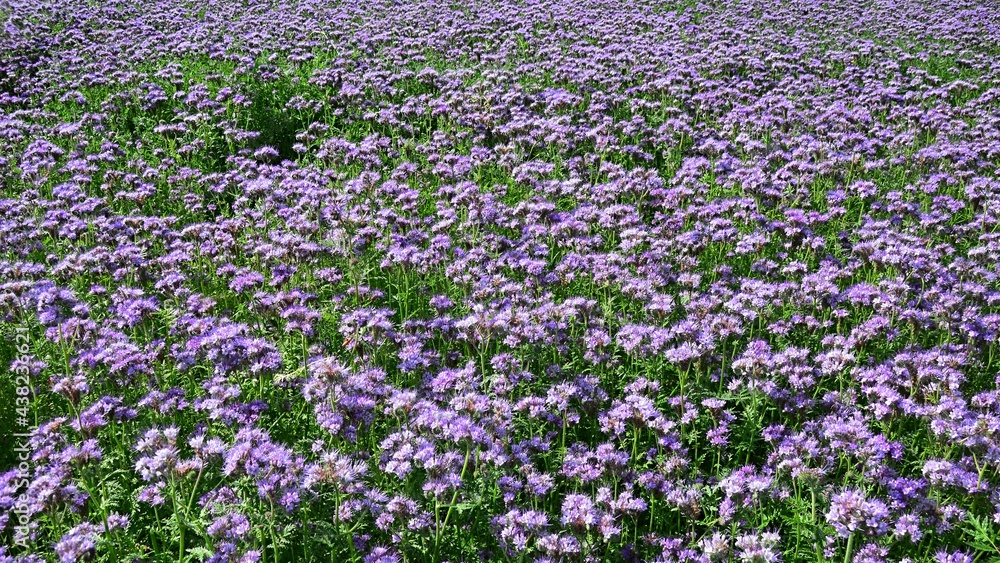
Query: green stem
(274, 537)
(563, 439)
(194, 491)
(454, 496)
(850, 547)
(451, 505)
(816, 530)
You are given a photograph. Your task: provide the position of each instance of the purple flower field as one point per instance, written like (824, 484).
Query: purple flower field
(512, 280)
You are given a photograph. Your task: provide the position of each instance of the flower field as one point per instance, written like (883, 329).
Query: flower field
(512, 280)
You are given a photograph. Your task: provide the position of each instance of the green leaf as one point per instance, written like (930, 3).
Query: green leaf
(198, 553)
(463, 506)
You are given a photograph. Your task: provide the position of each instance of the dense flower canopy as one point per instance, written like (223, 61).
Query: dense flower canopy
(513, 280)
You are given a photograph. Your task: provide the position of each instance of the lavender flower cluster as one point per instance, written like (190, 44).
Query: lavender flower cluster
(514, 280)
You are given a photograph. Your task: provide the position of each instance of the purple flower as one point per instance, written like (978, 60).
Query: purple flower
(850, 512)
(78, 544)
(758, 548)
(230, 526)
(579, 512)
